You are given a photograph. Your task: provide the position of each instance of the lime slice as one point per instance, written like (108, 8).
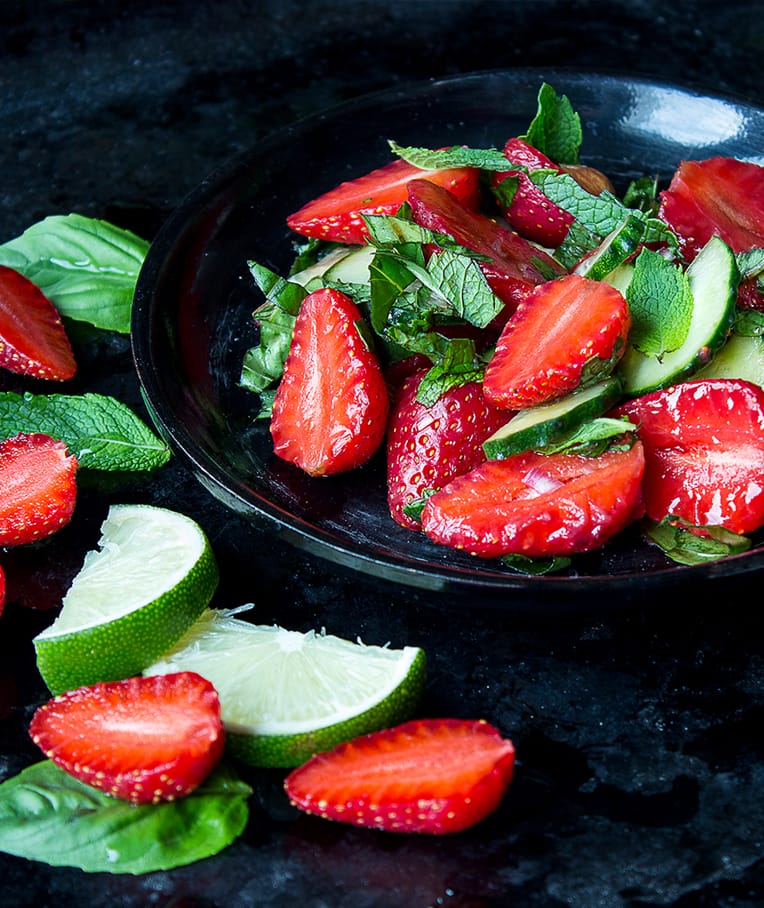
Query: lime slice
(151, 577)
(285, 695)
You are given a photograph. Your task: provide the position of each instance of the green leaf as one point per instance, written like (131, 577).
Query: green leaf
(750, 263)
(456, 366)
(592, 437)
(389, 279)
(47, 815)
(642, 194)
(103, 433)
(461, 282)
(556, 129)
(660, 301)
(684, 546)
(536, 566)
(264, 363)
(87, 268)
(749, 322)
(455, 156)
(287, 295)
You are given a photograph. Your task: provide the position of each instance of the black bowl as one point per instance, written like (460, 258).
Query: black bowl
(192, 314)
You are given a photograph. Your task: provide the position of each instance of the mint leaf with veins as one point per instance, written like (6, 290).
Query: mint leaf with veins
(101, 432)
(660, 302)
(455, 156)
(556, 129)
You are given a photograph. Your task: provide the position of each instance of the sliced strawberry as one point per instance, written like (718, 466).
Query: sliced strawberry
(38, 488)
(538, 505)
(330, 408)
(715, 197)
(567, 331)
(142, 739)
(427, 447)
(704, 452)
(531, 213)
(514, 265)
(33, 340)
(430, 776)
(337, 214)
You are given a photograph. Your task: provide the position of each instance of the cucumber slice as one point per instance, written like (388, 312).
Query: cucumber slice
(347, 265)
(538, 426)
(741, 357)
(613, 251)
(713, 277)
(620, 277)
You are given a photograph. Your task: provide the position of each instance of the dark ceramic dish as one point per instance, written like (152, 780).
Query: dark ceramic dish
(192, 316)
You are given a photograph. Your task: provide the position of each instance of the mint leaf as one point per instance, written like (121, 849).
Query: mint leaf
(101, 432)
(556, 129)
(87, 268)
(750, 263)
(749, 322)
(455, 156)
(49, 816)
(536, 566)
(642, 194)
(457, 366)
(263, 364)
(460, 280)
(684, 546)
(591, 438)
(660, 301)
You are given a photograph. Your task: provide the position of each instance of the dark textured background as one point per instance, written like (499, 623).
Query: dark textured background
(639, 771)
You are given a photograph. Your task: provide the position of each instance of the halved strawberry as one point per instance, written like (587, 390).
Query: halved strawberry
(718, 196)
(427, 447)
(531, 213)
(142, 739)
(428, 775)
(514, 267)
(704, 452)
(567, 331)
(330, 408)
(38, 487)
(33, 340)
(538, 505)
(337, 214)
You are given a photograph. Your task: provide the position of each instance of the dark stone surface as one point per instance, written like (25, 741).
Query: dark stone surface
(639, 771)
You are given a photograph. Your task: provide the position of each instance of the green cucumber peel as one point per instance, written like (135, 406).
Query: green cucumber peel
(87, 268)
(102, 432)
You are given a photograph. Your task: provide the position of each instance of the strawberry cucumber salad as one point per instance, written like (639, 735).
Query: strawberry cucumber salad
(544, 362)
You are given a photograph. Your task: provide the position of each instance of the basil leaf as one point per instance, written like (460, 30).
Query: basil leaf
(556, 129)
(660, 302)
(49, 816)
(87, 268)
(287, 295)
(684, 546)
(455, 156)
(264, 363)
(101, 432)
(642, 194)
(389, 279)
(536, 566)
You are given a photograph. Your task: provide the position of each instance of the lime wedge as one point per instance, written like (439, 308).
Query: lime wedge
(285, 695)
(151, 577)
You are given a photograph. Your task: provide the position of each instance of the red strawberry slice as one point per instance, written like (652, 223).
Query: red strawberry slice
(38, 488)
(538, 506)
(330, 408)
(531, 213)
(715, 197)
(337, 214)
(429, 776)
(33, 340)
(704, 452)
(142, 739)
(427, 447)
(514, 267)
(566, 332)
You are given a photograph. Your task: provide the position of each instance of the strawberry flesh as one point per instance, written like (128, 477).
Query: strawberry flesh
(144, 740)
(704, 452)
(330, 408)
(33, 340)
(38, 488)
(567, 331)
(338, 214)
(538, 505)
(427, 447)
(428, 776)
(514, 266)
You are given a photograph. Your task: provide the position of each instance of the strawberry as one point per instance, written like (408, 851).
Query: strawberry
(513, 267)
(538, 505)
(718, 196)
(428, 775)
(531, 213)
(704, 452)
(566, 332)
(427, 447)
(32, 337)
(144, 740)
(38, 487)
(337, 214)
(330, 408)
